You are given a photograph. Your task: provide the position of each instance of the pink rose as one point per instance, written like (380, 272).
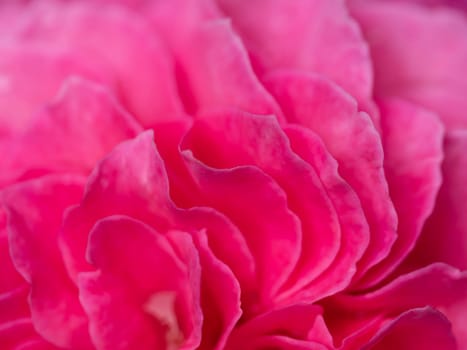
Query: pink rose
(261, 174)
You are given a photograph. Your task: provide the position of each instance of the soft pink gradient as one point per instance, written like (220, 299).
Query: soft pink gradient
(223, 174)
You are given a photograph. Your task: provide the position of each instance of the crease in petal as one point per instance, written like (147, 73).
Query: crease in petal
(80, 126)
(413, 170)
(321, 38)
(351, 138)
(35, 210)
(258, 141)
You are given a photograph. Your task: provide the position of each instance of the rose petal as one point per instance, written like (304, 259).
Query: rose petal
(220, 295)
(217, 72)
(105, 37)
(413, 170)
(404, 332)
(403, 36)
(132, 181)
(444, 237)
(350, 137)
(322, 38)
(442, 285)
(354, 238)
(37, 344)
(15, 332)
(295, 327)
(14, 305)
(70, 135)
(259, 141)
(35, 211)
(259, 208)
(133, 289)
(10, 279)
(19, 97)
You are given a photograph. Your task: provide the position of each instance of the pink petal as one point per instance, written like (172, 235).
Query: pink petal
(220, 293)
(403, 36)
(14, 305)
(309, 35)
(294, 327)
(354, 227)
(259, 141)
(352, 140)
(413, 170)
(82, 125)
(444, 237)
(442, 285)
(137, 267)
(129, 180)
(415, 329)
(15, 332)
(259, 208)
(217, 72)
(37, 344)
(105, 36)
(456, 313)
(19, 97)
(35, 211)
(132, 181)
(10, 279)
(281, 342)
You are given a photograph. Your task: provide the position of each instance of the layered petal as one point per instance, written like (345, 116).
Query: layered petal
(256, 144)
(19, 98)
(294, 327)
(419, 54)
(350, 137)
(354, 227)
(444, 237)
(161, 300)
(35, 211)
(69, 135)
(117, 43)
(413, 170)
(322, 38)
(217, 72)
(404, 332)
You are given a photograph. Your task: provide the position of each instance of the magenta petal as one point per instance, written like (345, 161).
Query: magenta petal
(444, 237)
(424, 328)
(352, 140)
(10, 279)
(132, 181)
(35, 212)
(297, 325)
(217, 73)
(259, 141)
(220, 297)
(254, 203)
(81, 126)
(413, 170)
(419, 54)
(19, 97)
(281, 342)
(130, 178)
(36, 344)
(15, 332)
(119, 247)
(309, 35)
(354, 228)
(442, 285)
(14, 305)
(105, 37)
